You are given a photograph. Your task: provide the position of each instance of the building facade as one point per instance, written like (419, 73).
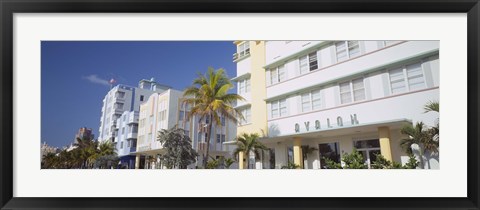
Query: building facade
(123, 98)
(164, 111)
(126, 138)
(84, 133)
(336, 96)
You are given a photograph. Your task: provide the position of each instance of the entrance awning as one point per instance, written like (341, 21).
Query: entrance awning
(340, 131)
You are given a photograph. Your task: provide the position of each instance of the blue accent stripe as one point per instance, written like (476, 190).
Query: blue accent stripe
(133, 99)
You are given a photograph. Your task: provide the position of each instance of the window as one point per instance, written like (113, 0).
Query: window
(289, 154)
(278, 75)
(244, 86)
(243, 49)
(206, 137)
(121, 145)
(141, 97)
(120, 94)
(199, 137)
(407, 78)
(118, 106)
(123, 130)
(311, 101)
(329, 151)
(222, 120)
(308, 63)
(369, 150)
(223, 138)
(130, 143)
(352, 91)
(279, 108)
(247, 116)
(218, 138)
(312, 61)
(207, 120)
(347, 50)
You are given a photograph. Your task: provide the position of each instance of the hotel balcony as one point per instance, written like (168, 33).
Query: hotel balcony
(133, 118)
(132, 135)
(237, 57)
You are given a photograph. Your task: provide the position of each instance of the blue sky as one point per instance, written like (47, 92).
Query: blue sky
(74, 76)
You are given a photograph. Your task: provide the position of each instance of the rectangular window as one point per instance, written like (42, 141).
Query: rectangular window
(329, 151)
(279, 108)
(312, 61)
(316, 103)
(141, 97)
(306, 104)
(199, 137)
(407, 78)
(274, 109)
(345, 94)
(247, 85)
(277, 75)
(397, 81)
(243, 49)
(123, 130)
(241, 86)
(121, 145)
(358, 89)
(347, 49)
(120, 94)
(247, 115)
(303, 64)
(308, 63)
(218, 138)
(118, 105)
(206, 137)
(352, 91)
(311, 101)
(222, 120)
(223, 138)
(130, 143)
(369, 149)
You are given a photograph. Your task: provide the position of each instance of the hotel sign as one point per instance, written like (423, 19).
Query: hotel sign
(317, 125)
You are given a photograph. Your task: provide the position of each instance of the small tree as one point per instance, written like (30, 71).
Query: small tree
(229, 162)
(354, 160)
(212, 163)
(290, 165)
(179, 151)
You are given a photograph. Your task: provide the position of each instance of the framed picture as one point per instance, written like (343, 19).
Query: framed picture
(202, 89)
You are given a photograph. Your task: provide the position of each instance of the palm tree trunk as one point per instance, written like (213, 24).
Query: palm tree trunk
(209, 132)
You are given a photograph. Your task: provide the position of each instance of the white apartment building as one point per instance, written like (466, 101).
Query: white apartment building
(126, 138)
(336, 96)
(164, 111)
(123, 98)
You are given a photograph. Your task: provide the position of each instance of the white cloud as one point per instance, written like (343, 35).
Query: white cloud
(95, 79)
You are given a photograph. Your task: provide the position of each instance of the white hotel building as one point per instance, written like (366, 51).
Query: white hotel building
(335, 96)
(123, 98)
(164, 111)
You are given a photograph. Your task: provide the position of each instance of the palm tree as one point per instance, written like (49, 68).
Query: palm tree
(434, 106)
(49, 161)
(416, 135)
(209, 98)
(247, 143)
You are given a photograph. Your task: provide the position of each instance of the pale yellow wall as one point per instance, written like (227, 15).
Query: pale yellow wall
(258, 90)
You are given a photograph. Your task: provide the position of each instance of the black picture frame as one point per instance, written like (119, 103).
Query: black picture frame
(10, 7)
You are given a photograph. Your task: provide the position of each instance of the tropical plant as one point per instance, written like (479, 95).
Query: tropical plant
(290, 165)
(412, 163)
(179, 151)
(212, 163)
(382, 163)
(209, 98)
(229, 162)
(354, 160)
(418, 135)
(248, 143)
(106, 161)
(434, 132)
(330, 164)
(49, 160)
